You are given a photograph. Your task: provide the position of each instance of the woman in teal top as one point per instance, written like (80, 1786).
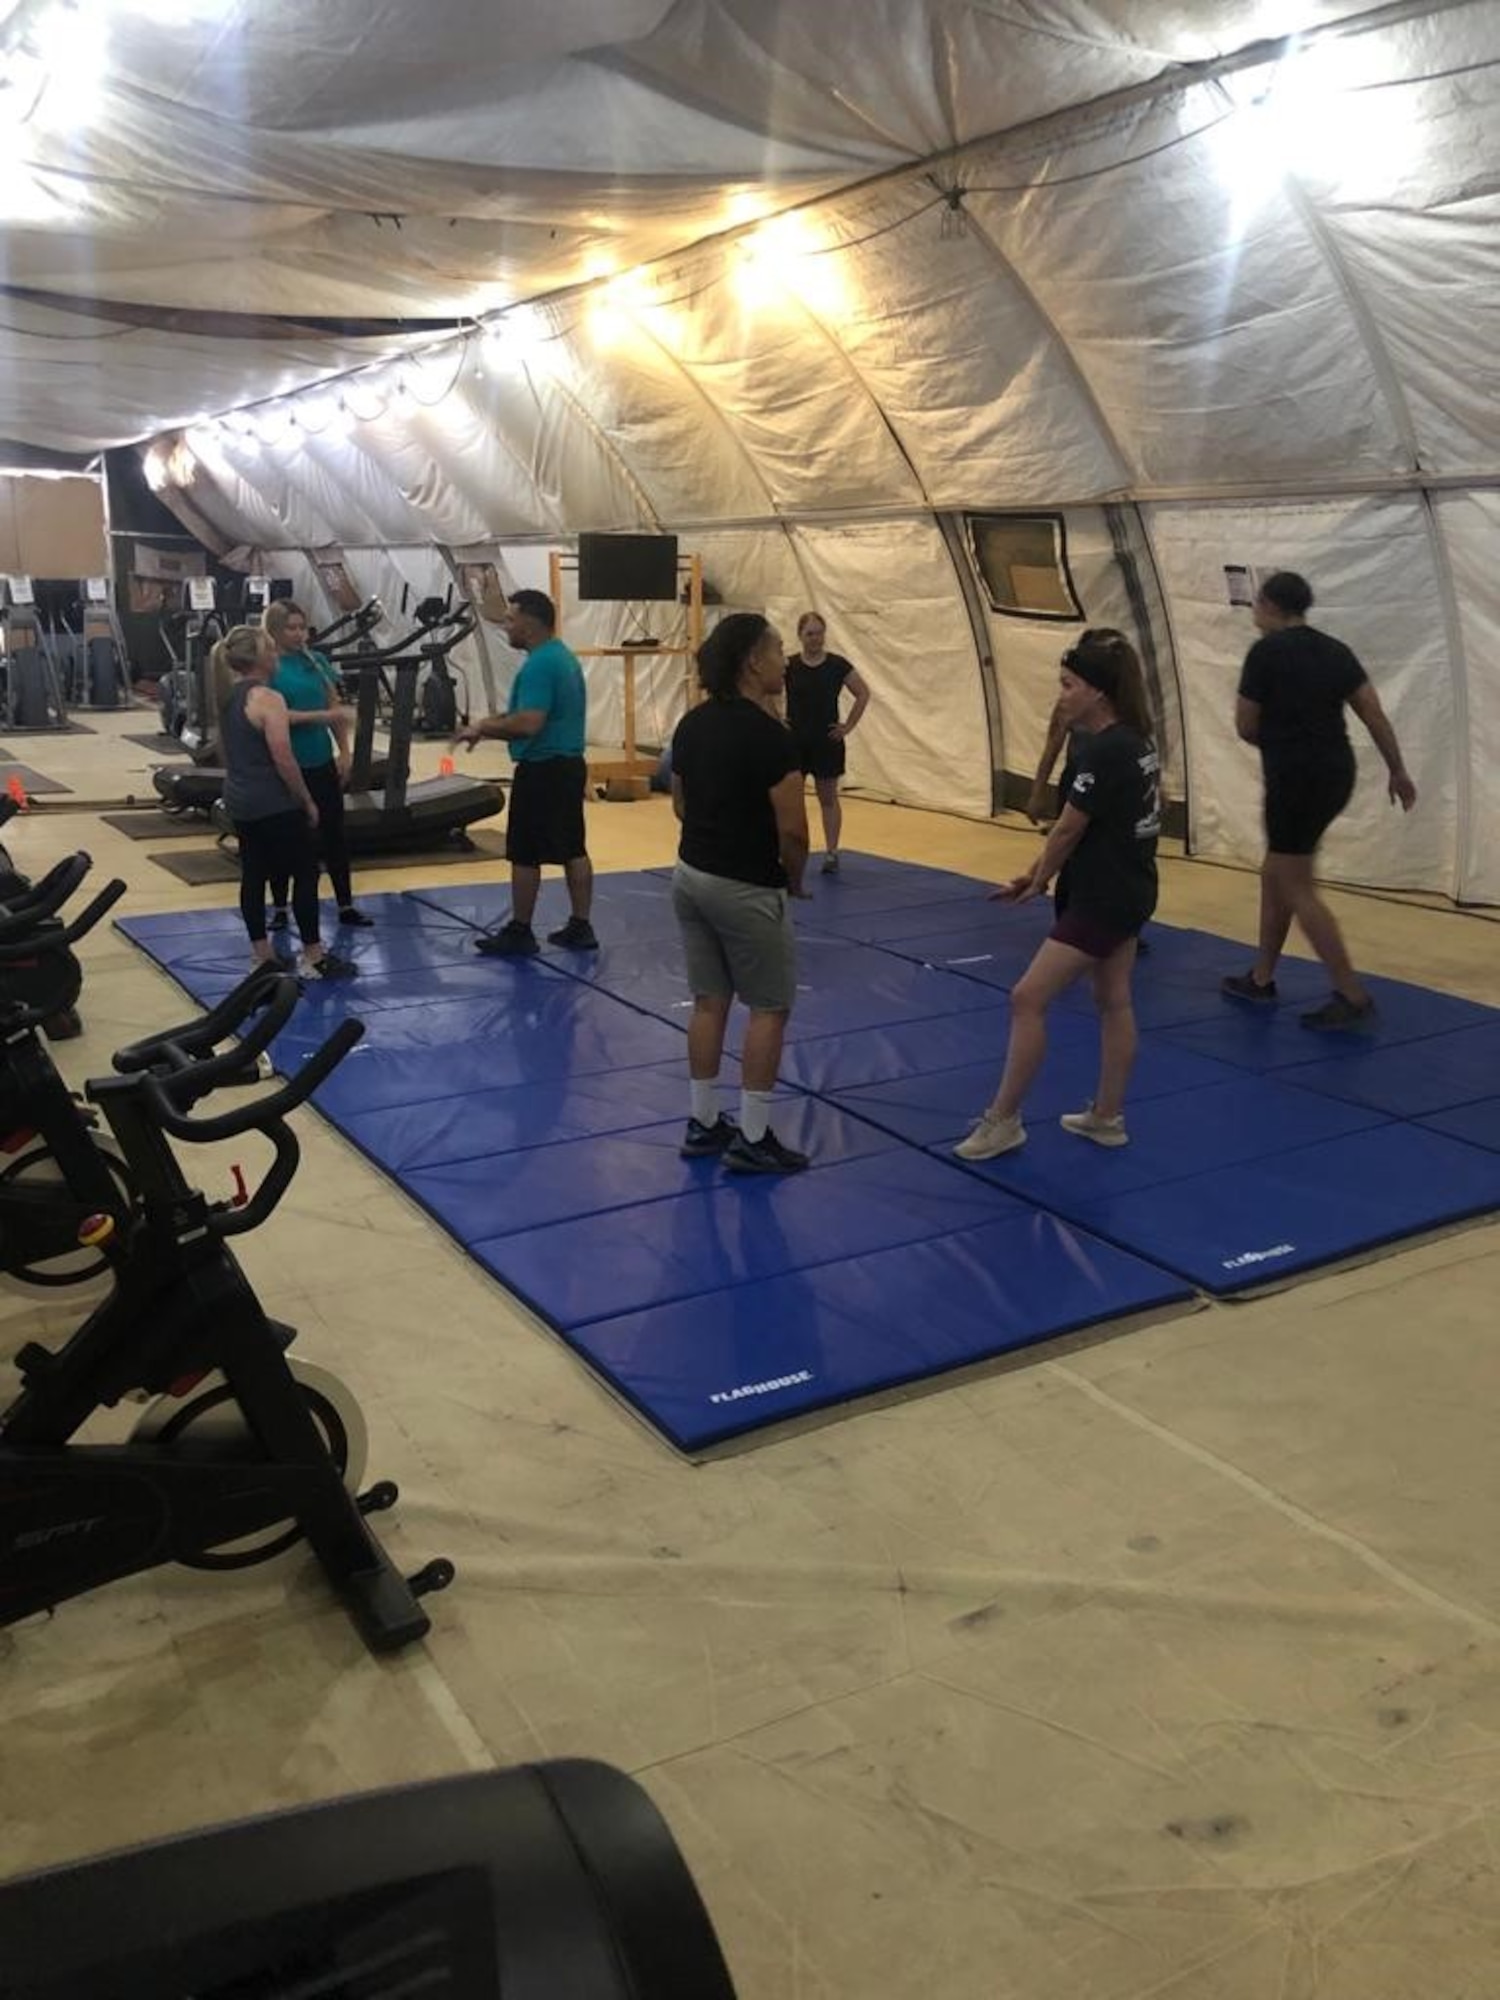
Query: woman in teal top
(320, 744)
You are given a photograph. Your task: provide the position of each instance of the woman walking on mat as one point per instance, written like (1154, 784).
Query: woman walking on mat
(266, 793)
(815, 679)
(320, 743)
(1293, 690)
(1103, 852)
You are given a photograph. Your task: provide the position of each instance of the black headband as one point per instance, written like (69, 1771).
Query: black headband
(1091, 662)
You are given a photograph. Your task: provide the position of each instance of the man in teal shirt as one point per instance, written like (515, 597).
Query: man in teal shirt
(545, 725)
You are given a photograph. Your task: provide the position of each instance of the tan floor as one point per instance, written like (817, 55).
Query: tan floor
(1165, 1666)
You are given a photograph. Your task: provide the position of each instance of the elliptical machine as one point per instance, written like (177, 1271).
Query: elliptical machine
(31, 691)
(243, 1453)
(188, 699)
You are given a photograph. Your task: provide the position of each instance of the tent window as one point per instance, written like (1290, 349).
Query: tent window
(1022, 560)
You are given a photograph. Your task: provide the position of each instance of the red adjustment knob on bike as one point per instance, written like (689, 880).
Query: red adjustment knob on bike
(96, 1229)
(241, 1193)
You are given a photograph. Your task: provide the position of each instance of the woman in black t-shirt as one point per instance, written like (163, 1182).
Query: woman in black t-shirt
(1294, 687)
(737, 790)
(1103, 851)
(815, 679)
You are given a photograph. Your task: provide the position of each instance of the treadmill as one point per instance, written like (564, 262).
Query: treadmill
(433, 812)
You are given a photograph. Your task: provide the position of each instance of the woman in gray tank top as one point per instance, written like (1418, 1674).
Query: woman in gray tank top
(267, 798)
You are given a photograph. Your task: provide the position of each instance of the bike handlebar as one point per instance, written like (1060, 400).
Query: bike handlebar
(182, 1047)
(23, 913)
(264, 1113)
(43, 933)
(93, 912)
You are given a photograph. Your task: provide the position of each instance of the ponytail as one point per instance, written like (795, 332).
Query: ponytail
(1106, 659)
(239, 650)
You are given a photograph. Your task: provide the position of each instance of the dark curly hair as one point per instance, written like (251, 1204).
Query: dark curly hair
(723, 654)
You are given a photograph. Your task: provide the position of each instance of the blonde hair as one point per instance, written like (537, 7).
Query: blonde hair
(241, 649)
(278, 614)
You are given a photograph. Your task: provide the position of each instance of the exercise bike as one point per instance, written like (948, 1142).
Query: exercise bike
(243, 1452)
(57, 1172)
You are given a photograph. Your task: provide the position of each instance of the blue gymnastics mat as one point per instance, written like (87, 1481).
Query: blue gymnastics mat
(534, 1109)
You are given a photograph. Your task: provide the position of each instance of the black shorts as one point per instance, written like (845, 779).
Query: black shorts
(1303, 801)
(546, 811)
(1096, 937)
(820, 756)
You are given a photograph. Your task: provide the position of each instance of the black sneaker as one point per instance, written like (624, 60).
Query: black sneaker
(278, 920)
(577, 934)
(512, 940)
(1337, 1012)
(702, 1142)
(351, 919)
(762, 1156)
(1245, 986)
(329, 966)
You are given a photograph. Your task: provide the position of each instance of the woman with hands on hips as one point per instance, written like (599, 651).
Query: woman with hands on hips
(815, 681)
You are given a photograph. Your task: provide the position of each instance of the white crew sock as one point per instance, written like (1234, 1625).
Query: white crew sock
(755, 1113)
(705, 1100)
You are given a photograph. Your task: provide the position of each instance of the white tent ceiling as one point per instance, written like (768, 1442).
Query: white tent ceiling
(1207, 294)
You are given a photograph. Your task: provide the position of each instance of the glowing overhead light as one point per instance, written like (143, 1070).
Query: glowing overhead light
(745, 205)
(1308, 118)
(791, 257)
(70, 44)
(608, 321)
(170, 13)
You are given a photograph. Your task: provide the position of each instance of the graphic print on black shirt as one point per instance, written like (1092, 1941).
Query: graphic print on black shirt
(729, 755)
(1301, 678)
(1111, 873)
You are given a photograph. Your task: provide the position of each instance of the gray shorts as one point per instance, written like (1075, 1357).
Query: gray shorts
(737, 938)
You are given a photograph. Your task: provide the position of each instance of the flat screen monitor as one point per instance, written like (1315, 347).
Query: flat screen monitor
(619, 568)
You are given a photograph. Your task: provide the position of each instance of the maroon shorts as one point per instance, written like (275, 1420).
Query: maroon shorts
(1087, 934)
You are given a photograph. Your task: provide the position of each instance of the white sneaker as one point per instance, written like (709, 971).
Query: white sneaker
(1087, 1124)
(991, 1137)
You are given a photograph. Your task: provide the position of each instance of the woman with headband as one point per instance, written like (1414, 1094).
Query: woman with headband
(1103, 852)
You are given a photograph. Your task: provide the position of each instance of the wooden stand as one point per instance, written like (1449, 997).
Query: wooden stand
(631, 770)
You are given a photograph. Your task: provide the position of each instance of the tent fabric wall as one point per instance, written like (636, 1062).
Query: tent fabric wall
(1377, 586)
(895, 610)
(1100, 312)
(1469, 528)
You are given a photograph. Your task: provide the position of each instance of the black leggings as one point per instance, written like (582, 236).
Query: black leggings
(279, 849)
(328, 796)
